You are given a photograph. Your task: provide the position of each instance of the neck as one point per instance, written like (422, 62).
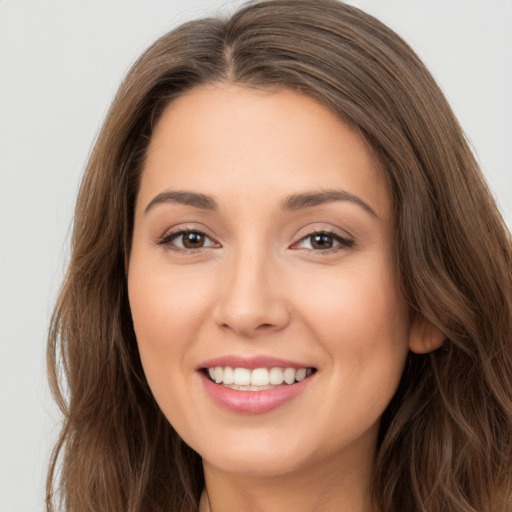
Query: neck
(323, 487)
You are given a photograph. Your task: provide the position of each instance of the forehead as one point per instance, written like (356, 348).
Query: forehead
(260, 143)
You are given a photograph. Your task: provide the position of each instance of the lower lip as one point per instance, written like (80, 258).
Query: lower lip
(253, 402)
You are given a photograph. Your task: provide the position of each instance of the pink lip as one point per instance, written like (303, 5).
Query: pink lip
(252, 402)
(252, 362)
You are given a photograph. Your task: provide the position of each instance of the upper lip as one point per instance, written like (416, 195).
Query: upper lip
(252, 362)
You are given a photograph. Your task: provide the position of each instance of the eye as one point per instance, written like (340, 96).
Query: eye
(323, 241)
(186, 240)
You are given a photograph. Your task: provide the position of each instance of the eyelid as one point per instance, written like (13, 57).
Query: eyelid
(344, 242)
(173, 233)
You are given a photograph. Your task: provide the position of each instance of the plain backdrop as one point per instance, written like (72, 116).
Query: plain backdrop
(60, 65)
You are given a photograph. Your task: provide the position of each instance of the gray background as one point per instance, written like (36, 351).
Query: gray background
(60, 64)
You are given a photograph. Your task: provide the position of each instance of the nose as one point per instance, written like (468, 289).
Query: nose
(252, 299)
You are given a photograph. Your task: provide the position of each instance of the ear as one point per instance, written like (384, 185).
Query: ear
(423, 336)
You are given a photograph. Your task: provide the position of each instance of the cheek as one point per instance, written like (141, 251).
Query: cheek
(164, 302)
(166, 310)
(166, 307)
(363, 327)
(359, 305)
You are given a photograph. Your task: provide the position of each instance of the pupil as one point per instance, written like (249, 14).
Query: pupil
(193, 240)
(322, 242)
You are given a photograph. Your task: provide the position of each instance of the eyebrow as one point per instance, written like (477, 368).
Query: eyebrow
(201, 201)
(291, 203)
(308, 200)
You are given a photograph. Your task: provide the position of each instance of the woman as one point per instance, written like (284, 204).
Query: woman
(289, 286)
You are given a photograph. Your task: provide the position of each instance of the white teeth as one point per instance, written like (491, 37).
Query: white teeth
(289, 375)
(229, 376)
(276, 376)
(257, 379)
(242, 377)
(300, 374)
(248, 388)
(260, 377)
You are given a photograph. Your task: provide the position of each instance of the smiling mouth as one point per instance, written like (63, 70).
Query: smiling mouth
(258, 379)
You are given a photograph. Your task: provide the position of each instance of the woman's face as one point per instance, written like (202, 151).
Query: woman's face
(262, 244)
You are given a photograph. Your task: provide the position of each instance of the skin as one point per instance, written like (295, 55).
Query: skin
(258, 287)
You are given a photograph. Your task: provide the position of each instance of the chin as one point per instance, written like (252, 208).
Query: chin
(262, 462)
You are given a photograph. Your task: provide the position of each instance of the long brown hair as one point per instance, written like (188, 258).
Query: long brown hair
(446, 438)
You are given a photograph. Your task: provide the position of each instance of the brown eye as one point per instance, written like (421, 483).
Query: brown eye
(322, 241)
(192, 240)
(187, 240)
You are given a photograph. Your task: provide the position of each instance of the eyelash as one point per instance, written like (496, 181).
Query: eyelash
(170, 237)
(342, 243)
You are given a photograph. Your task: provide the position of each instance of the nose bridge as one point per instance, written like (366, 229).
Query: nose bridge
(252, 300)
